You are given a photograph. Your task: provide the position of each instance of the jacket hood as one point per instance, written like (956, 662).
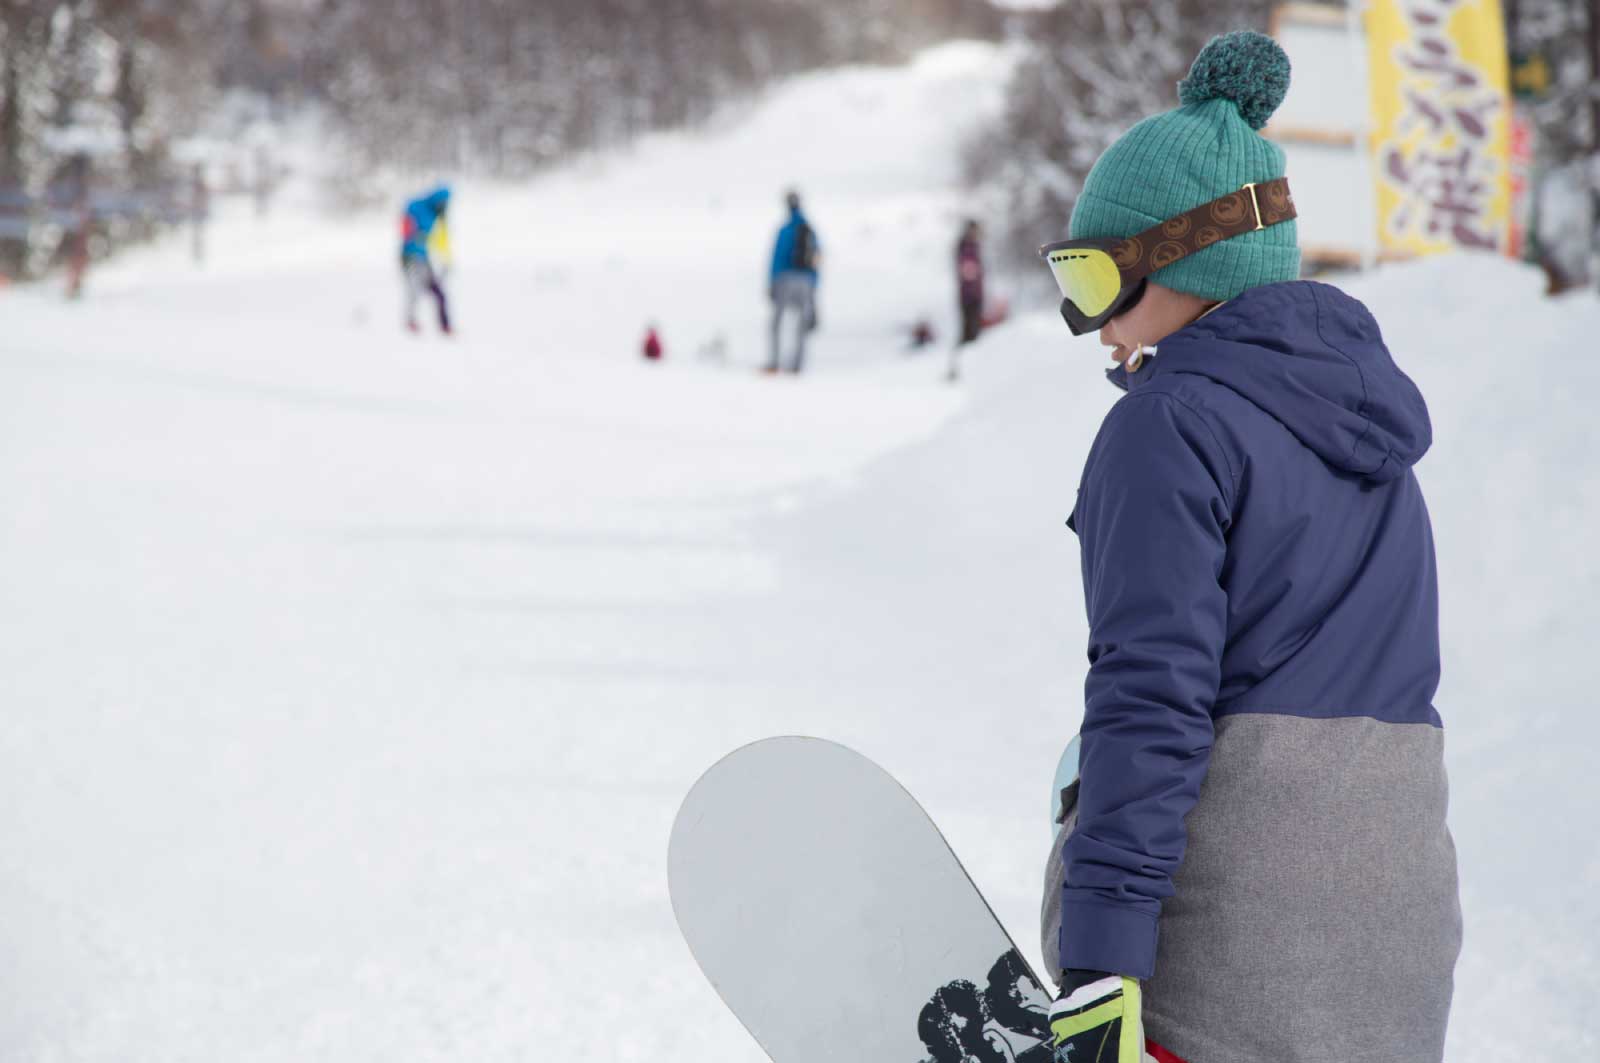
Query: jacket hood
(1312, 357)
(439, 199)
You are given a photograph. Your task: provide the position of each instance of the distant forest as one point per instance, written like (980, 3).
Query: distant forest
(108, 108)
(494, 86)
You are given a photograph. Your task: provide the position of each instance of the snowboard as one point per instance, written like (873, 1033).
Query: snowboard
(834, 920)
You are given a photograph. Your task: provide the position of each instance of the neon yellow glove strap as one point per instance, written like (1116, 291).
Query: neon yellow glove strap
(1123, 1007)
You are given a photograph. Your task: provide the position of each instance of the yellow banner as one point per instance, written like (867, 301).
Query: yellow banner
(1441, 114)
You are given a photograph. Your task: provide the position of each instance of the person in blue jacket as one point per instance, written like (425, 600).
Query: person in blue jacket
(1254, 865)
(792, 284)
(422, 223)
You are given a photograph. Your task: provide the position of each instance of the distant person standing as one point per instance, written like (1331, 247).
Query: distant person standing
(969, 292)
(792, 284)
(423, 228)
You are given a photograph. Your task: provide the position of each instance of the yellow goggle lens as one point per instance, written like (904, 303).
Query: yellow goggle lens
(1087, 276)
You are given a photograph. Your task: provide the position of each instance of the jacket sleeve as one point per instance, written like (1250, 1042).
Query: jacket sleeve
(1152, 516)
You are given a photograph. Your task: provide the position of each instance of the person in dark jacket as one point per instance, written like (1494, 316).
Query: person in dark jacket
(1254, 865)
(792, 284)
(969, 292)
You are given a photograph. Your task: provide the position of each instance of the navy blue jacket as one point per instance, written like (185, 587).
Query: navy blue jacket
(1254, 541)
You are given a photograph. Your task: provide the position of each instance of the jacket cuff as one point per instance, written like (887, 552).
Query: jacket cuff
(1099, 936)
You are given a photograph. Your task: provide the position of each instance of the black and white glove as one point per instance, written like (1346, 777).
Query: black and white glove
(1096, 1019)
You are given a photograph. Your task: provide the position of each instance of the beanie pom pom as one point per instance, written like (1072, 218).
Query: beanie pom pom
(1245, 67)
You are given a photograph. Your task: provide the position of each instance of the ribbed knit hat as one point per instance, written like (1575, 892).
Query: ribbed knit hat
(1204, 149)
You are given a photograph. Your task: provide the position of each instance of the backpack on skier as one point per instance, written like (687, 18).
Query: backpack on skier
(803, 255)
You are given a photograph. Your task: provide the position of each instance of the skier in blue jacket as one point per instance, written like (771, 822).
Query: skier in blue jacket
(1254, 864)
(422, 223)
(792, 284)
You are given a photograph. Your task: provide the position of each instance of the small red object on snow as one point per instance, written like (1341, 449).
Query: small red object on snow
(652, 345)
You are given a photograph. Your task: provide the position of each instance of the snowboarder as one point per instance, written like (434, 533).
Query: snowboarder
(969, 293)
(1256, 866)
(423, 226)
(792, 284)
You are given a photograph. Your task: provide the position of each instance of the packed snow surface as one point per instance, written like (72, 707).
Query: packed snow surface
(352, 679)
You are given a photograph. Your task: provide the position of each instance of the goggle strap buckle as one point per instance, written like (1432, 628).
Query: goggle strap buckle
(1255, 205)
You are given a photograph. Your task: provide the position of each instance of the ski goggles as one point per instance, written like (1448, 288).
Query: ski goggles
(1102, 278)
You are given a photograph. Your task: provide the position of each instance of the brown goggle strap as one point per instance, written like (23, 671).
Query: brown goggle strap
(1255, 206)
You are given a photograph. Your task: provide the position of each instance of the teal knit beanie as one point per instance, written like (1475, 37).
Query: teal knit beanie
(1204, 149)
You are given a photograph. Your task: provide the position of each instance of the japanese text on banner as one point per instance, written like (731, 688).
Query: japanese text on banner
(1440, 120)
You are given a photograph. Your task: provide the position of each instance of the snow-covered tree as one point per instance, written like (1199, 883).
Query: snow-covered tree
(1094, 68)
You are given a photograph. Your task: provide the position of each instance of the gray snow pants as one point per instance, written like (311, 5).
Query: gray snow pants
(794, 294)
(1316, 916)
(419, 278)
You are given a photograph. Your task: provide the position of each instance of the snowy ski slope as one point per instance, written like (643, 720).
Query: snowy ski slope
(351, 680)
